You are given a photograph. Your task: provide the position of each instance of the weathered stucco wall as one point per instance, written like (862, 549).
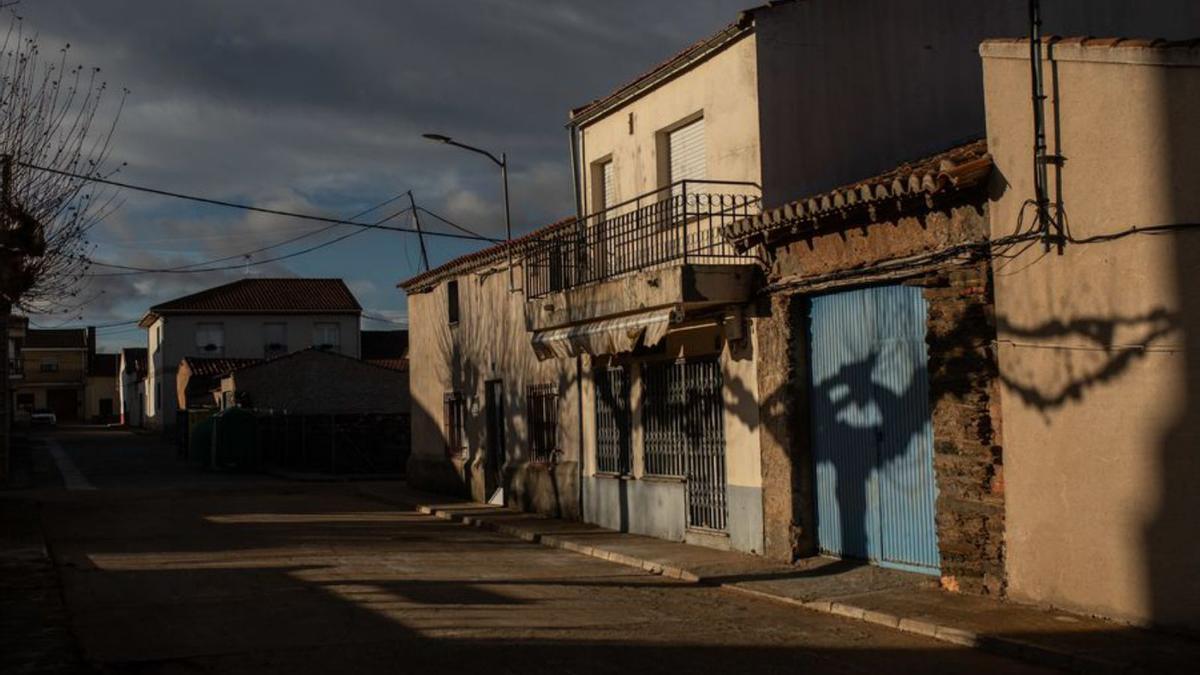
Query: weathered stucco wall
(723, 89)
(1100, 346)
(960, 328)
(849, 89)
(489, 342)
(316, 383)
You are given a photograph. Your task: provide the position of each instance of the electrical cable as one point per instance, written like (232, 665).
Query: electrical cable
(246, 207)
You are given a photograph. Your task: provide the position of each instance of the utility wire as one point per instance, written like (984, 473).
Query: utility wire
(248, 207)
(126, 270)
(456, 226)
(247, 254)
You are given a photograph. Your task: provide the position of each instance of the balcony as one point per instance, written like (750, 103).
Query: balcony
(663, 249)
(677, 224)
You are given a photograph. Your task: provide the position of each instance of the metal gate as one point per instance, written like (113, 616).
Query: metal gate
(614, 427)
(871, 429)
(685, 434)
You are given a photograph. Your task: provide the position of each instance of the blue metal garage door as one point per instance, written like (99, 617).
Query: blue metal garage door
(871, 431)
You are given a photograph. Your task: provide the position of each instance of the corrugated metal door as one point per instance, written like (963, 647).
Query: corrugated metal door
(871, 430)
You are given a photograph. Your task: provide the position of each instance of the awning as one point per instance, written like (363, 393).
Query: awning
(606, 336)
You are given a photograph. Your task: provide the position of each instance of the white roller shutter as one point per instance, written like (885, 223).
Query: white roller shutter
(687, 152)
(609, 188)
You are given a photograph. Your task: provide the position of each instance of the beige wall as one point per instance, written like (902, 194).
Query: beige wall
(489, 342)
(317, 383)
(723, 89)
(1100, 346)
(96, 389)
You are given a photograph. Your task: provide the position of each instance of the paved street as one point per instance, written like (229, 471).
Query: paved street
(169, 569)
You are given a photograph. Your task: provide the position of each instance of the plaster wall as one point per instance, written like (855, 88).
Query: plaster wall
(723, 89)
(489, 342)
(849, 89)
(1099, 347)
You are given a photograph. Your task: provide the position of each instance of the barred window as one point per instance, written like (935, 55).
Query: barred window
(454, 415)
(543, 421)
(613, 421)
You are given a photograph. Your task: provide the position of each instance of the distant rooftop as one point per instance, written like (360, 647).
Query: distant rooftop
(264, 296)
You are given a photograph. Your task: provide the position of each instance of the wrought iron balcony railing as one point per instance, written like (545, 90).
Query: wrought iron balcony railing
(676, 224)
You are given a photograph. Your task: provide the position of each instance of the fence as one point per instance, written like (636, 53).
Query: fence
(683, 221)
(335, 444)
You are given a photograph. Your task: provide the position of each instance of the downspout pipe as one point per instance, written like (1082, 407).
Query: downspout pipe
(576, 179)
(1037, 79)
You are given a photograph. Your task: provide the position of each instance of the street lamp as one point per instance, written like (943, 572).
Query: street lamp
(502, 162)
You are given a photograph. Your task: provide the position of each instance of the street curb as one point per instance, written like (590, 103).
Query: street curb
(999, 645)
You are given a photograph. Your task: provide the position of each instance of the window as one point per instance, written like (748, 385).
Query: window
(274, 339)
(454, 415)
(686, 152)
(604, 188)
(613, 420)
(49, 365)
(210, 339)
(543, 422)
(327, 336)
(452, 301)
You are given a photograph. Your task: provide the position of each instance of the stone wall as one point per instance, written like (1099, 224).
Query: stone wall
(788, 527)
(964, 404)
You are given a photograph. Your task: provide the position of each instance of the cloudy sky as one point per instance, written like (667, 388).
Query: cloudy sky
(319, 106)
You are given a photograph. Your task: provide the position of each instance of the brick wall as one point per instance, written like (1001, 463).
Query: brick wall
(964, 399)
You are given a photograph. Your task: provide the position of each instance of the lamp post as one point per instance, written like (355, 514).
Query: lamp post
(501, 162)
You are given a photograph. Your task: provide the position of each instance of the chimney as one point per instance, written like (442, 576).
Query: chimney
(91, 346)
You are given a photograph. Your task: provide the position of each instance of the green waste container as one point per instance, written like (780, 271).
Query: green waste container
(235, 440)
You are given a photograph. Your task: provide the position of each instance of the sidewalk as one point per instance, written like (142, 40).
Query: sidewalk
(907, 602)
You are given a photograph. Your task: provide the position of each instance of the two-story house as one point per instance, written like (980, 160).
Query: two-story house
(55, 365)
(643, 374)
(257, 318)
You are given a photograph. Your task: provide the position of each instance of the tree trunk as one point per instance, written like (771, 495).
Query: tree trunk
(5, 398)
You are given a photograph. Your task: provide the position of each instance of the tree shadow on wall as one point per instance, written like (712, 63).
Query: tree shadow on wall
(872, 442)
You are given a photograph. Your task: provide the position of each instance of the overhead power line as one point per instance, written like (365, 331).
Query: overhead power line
(131, 269)
(190, 268)
(248, 207)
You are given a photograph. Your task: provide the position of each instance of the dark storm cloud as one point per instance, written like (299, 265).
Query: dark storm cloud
(320, 105)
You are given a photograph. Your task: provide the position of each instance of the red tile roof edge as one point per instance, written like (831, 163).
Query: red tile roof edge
(1103, 42)
(478, 259)
(954, 169)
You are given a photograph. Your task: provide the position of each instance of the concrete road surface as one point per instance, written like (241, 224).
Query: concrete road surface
(167, 569)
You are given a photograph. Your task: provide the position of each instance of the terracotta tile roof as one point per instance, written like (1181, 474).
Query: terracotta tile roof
(473, 261)
(57, 338)
(1104, 42)
(266, 296)
(384, 344)
(390, 364)
(200, 366)
(955, 169)
(102, 365)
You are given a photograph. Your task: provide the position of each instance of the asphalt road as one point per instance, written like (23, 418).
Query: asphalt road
(168, 569)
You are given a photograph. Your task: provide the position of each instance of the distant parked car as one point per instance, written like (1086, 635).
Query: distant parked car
(43, 417)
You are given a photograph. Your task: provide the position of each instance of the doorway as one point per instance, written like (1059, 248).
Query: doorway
(496, 453)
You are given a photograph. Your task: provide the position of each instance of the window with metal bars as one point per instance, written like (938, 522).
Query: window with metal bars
(454, 415)
(613, 421)
(543, 421)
